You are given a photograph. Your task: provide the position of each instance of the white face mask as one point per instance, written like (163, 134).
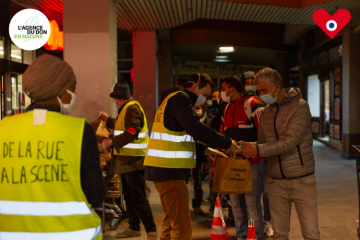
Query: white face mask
(209, 103)
(269, 99)
(67, 108)
(250, 88)
(201, 99)
(224, 97)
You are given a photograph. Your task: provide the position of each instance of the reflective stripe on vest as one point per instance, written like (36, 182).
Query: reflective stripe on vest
(138, 146)
(43, 208)
(170, 154)
(41, 194)
(169, 149)
(171, 138)
(86, 234)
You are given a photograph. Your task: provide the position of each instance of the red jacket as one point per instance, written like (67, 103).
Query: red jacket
(236, 124)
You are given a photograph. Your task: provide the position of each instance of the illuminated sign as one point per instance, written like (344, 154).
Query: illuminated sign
(56, 39)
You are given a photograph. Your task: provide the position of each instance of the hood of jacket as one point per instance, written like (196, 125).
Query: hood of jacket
(290, 95)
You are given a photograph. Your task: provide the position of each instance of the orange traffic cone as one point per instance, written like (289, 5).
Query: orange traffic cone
(251, 232)
(218, 230)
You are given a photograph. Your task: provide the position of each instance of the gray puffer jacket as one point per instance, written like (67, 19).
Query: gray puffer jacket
(284, 136)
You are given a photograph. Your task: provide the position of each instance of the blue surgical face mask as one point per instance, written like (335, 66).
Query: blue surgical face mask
(268, 98)
(250, 88)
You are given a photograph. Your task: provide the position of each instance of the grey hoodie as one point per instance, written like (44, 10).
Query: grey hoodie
(284, 136)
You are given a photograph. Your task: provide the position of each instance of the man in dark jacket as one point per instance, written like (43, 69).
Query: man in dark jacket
(215, 123)
(177, 126)
(130, 143)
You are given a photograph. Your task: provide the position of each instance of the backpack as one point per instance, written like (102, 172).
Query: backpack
(247, 109)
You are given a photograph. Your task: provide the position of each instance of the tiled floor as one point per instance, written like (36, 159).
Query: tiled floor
(337, 202)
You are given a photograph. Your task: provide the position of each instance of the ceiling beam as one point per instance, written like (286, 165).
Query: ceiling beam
(281, 3)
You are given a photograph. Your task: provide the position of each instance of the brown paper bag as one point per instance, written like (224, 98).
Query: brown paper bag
(232, 176)
(102, 130)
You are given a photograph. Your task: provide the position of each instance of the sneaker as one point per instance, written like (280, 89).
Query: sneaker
(128, 233)
(198, 211)
(268, 229)
(152, 236)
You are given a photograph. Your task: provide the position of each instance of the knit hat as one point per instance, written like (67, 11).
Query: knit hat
(121, 91)
(249, 74)
(47, 77)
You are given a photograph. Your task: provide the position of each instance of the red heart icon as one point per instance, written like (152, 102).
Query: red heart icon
(331, 25)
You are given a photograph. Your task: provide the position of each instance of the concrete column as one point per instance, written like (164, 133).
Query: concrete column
(145, 87)
(90, 47)
(350, 92)
(283, 69)
(164, 61)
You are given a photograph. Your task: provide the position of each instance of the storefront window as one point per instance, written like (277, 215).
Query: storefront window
(313, 95)
(17, 96)
(1, 47)
(29, 56)
(16, 53)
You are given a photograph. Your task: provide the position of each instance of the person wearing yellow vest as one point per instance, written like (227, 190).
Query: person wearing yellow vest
(130, 141)
(49, 163)
(172, 152)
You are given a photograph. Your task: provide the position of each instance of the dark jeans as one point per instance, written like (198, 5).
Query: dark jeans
(138, 207)
(197, 176)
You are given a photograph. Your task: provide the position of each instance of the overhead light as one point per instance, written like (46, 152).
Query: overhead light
(226, 49)
(221, 56)
(1, 52)
(221, 60)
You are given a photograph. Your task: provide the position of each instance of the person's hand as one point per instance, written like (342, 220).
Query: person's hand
(249, 151)
(104, 116)
(106, 143)
(211, 173)
(234, 148)
(210, 152)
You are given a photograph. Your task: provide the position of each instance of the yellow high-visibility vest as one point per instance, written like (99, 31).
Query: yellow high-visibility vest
(138, 146)
(169, 149)
(40, 187)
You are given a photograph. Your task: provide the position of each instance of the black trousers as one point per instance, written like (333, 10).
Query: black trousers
(197, 176)
(138, 207)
